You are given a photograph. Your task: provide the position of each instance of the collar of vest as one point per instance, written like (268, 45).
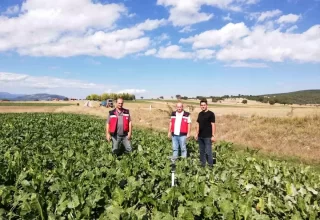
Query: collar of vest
(124, 110)
(184, 113)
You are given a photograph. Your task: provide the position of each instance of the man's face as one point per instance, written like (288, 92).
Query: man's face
(179, 107)
(203, 106)
(119, 103)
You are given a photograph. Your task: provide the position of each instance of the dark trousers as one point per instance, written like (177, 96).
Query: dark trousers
(205, 148)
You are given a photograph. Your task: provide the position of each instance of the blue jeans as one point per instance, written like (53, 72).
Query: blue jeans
(179, 140)
(116, 140)
(205, 148)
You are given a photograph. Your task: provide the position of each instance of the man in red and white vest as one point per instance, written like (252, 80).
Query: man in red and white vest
(179, 130)
(119, 127)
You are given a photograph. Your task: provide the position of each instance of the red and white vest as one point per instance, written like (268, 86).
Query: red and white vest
(184, 123)
(113, 115)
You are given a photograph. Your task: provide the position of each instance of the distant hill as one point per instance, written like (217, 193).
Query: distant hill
(6, 95)
(297, 97)
(40, 96)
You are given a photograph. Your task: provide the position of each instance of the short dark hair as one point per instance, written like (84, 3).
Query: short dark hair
(204, 100)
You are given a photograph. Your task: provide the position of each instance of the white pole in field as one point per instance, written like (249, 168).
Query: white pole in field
(172, 179)
(150, 107)
(173, 170)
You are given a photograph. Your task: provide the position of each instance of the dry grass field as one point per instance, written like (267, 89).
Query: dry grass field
(279, 131)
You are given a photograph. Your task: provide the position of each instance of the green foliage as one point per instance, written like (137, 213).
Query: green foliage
(272, 101)
(299, 97)
(217, 98)
(200, 97)
(59, 166)
(113, 96)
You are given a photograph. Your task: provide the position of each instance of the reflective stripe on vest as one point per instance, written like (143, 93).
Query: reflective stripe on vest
(183, 125)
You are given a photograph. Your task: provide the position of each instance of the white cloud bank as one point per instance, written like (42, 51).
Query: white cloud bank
(49, 28)
(44, 82)
(237, 42)
(24, 83)
(188, 12)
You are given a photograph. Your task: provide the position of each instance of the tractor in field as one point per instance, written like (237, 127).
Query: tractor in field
(107, 103)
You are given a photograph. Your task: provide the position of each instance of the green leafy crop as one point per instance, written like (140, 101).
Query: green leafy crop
(59, 166)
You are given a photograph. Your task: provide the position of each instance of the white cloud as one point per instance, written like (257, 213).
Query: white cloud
(186, 29)
(236, 42)
(43, 30)
(289, 18)
(276, 46)
(227, 18)
(133, 91)
(246, 64)
(150, 52)
(43, 82)
(174, 52)
(163, 37)
(11, 77)
(228, 33)
(188, 12)
(204, 54)
(291, 29)
(268, 14)
(149, 25)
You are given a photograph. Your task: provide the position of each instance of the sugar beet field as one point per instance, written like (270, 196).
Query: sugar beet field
(59, 166)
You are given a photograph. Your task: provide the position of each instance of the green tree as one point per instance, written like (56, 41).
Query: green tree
(244, 101)
(95, 97)
(260, 99)
(105, 96)
(214, 99)
(272, 101)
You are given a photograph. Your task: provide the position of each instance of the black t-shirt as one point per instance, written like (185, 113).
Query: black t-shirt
(205, 119)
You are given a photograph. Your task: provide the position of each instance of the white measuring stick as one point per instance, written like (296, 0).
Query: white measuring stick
(172, 179)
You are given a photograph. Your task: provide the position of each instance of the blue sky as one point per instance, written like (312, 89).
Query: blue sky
(159, 47)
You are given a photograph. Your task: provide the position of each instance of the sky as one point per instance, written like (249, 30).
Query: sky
(154, 48)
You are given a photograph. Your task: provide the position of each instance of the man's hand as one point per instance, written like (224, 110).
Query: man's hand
(213, 139)
(169, 135)
(108, 137)
(188, 136)
(129, 136)
(196, 137)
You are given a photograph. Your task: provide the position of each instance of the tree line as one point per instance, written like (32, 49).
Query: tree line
(113, 96)
(298, 97)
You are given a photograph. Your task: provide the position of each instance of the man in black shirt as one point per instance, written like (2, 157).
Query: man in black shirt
(205, 133)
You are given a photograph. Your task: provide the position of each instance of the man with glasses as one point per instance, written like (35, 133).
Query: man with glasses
(179, 130)
(119, 127)
(205, 133)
